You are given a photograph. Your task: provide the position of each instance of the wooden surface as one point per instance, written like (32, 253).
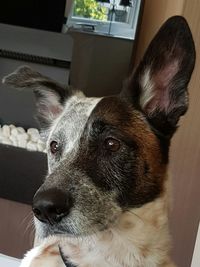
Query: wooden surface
(16, 228)
(185, 149)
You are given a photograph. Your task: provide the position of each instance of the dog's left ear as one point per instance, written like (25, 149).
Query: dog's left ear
(50, 96)
(158, 87)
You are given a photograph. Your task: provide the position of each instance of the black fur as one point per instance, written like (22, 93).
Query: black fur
(65, 259)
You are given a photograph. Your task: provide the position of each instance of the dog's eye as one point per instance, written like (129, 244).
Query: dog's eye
(54, 147)
(112, 144)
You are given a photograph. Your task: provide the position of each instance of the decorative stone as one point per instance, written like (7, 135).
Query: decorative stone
(22, 136)
(41, 146)
(13, 138)
(33, 131)
(6, 130)
(31, 146)
(12, 126)
(22, 143)
(17, 136)
(14, 131)
(20, 130)
(6, 141)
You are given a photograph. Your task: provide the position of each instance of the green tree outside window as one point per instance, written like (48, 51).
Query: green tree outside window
(90, 9)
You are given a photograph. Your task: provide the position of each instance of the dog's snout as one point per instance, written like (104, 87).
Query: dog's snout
(52, 205)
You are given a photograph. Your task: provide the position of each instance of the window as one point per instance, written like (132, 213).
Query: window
(116, 18)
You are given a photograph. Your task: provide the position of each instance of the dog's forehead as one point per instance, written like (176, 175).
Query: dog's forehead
(70, 124)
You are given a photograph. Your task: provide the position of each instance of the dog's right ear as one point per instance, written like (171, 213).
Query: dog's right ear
(158, 87)
(50, 96)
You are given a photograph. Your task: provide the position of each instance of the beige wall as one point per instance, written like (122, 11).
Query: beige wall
(185, 157)
(154, 14)
(185, 149)
(99, 63)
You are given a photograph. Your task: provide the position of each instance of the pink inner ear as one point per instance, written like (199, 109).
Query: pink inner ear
(50, 112)
(161, 88)
(56, 110)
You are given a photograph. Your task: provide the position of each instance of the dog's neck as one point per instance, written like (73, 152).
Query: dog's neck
(140, 238)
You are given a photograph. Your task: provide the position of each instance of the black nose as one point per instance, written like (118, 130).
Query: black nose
(51, 206)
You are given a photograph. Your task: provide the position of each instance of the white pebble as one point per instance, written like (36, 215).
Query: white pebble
(6, 141)
(40, 147)
(35, 138)
(13, 138)
(41, 142)
(31, 146)
(6, 130)
(14, 131)
(15, 143)
(11, 126)
(34, 134)
(22, 143)
(17, 136)
(20, 130)
(22, 136)
(33, 131)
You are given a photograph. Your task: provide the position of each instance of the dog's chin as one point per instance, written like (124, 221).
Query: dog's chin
(48, 230)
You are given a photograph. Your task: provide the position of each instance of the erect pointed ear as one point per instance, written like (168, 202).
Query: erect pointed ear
(158, 87)
(50, 96)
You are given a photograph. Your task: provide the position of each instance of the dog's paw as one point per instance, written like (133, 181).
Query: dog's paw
(30, 257)
(45, 255)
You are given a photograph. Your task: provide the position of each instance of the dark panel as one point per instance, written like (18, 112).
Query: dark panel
(45, 15)
(16, 228)
(21, 173)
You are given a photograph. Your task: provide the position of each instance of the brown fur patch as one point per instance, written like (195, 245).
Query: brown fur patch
(144, 251)
(135, 129)
(50, 251)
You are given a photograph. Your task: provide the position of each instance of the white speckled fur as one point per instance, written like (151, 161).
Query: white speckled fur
(147, 88)
(72, 120)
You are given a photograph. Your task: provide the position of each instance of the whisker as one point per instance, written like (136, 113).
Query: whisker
(30, 227)
(26, 217)
(28, 223)
(135, 215)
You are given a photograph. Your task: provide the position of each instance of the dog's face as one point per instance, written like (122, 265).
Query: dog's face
(109, 155)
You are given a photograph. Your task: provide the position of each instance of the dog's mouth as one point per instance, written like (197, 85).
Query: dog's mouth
(49, 230)
(71, 227)
(46, 230)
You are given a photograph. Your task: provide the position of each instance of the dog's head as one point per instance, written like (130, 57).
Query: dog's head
(109, 155)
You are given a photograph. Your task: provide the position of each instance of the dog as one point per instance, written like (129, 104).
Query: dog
(106, 198)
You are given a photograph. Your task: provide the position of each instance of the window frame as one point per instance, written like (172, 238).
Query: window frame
(108, 28)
